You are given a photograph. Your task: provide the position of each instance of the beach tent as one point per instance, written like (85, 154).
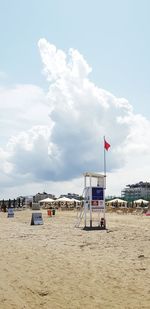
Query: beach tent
(117, 201)
(76, 203)
(64, 202)
(63, 199)
(47, 200)
(141, 201)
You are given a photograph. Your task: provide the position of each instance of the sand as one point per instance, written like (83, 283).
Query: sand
(58, 266)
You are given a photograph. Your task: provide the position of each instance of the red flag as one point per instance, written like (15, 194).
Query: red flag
(106, 145)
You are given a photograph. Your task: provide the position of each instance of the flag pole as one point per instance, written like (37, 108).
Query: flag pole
(104, 162)
(104, 175)
(106, 147)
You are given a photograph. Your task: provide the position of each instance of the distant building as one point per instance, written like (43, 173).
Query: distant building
(28, 199)
(41, 196)
(71, 195)
(136, 191)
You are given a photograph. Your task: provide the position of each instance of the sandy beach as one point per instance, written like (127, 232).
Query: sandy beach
(56, 265)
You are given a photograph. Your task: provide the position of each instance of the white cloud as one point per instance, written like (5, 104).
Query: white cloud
(21, 107)
(82, 113)
(51, 139)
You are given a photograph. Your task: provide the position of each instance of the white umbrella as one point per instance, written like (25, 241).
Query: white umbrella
(75, 200)
(63, 199)
(140, 201)
(117, 200)
(47, 200)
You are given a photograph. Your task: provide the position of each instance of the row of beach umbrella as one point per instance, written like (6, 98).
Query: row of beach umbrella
(120, 201)
(61, 199)
(68, 200)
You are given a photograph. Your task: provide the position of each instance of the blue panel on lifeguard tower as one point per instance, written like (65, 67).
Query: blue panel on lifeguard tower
(97, 193)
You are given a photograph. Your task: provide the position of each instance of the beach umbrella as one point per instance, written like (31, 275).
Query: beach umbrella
(63, 199)
(141, 201)
(47, 200)
(117, 200)
(75, 200)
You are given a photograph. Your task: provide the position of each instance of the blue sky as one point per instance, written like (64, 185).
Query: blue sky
(112, 36)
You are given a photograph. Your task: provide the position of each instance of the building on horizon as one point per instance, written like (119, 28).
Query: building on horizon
(136, 191)
(28, 199)
(71, 195)
(41, 196)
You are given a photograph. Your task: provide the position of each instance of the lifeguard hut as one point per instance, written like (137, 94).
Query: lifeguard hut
(94, 201)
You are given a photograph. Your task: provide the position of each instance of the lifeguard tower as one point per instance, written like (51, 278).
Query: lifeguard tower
(94, 201)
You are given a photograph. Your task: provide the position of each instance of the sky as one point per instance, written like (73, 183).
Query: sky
(72, 72)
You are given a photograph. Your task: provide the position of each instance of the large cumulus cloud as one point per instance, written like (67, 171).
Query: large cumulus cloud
(58, 135)
(82, 114)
